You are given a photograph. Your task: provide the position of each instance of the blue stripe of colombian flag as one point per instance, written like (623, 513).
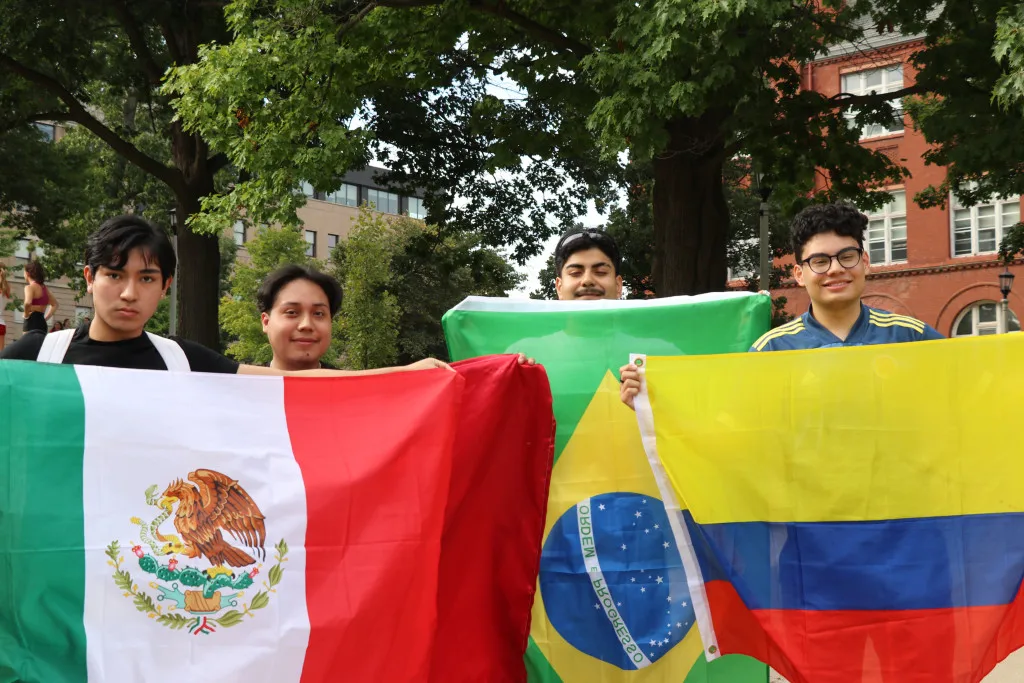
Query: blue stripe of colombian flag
(875, 584)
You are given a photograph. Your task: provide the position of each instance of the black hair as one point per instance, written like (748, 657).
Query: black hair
(581, 240)
(110, 245)
(272, 285)
(841, 218)
(35, 270)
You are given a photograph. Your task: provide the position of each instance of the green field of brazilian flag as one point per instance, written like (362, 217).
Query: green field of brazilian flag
(612, 603)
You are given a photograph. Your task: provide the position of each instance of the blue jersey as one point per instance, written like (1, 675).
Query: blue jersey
(874, 326)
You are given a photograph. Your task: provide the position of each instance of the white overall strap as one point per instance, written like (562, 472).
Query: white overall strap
(173, 355)
(55, 346)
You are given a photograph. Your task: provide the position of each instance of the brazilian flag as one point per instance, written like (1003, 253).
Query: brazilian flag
(613, 605)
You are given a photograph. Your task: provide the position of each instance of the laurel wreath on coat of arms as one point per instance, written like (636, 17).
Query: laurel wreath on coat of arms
(189, 597)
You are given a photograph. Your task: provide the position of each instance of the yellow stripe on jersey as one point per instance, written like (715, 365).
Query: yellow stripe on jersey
(791, 327)
(891, 319)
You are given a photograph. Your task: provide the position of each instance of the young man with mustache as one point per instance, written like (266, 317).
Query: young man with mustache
(587, 263)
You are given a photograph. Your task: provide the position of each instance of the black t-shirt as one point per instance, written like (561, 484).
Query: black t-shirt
(136, 354)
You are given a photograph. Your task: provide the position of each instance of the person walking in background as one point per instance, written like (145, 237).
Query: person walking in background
(5, 296)
(40, 304)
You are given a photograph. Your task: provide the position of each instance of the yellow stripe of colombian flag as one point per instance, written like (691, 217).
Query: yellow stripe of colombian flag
(900, 439)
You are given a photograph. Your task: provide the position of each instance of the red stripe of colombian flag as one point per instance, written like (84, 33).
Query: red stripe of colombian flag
(376, 490)
(494, 523)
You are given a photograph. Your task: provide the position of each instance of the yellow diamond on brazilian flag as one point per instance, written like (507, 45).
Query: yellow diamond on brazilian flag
(612, 603)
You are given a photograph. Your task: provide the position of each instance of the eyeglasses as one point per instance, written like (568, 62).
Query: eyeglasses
(820, 263)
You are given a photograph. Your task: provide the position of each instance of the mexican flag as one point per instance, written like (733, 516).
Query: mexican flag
(613, 601)
(159, 525)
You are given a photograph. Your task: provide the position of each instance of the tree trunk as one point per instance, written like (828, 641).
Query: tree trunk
(691, 217)
(198, 255)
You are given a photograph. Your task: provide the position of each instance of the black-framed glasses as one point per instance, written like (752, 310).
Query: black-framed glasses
(820, 263)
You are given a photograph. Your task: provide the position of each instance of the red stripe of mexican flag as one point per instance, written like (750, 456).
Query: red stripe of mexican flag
(232, 528)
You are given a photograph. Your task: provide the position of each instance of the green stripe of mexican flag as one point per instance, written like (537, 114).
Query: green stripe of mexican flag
(158, 525)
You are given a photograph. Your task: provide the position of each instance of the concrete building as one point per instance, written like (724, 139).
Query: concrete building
(328, 217)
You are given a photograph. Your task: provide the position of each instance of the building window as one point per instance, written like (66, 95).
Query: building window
(22, 251)
(347, 194)
(308, 190)
(416, 209)
(81, 313)
(886, 235)
(385, 202)
(979, 229)
(983, 318)
(311, 243)
(239, 233)
(332, 241)
(886, 79)
(48, 130)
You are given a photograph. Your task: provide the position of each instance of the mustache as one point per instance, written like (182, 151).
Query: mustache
(587, 291)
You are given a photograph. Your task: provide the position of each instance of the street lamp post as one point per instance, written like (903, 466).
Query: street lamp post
(765, 190)
(1005, 286)
(172, 327)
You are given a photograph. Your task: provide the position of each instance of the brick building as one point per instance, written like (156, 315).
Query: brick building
(939, 265)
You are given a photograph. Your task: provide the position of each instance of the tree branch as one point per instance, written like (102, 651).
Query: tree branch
(501, 10)
(845, 100)
(137, 40)
(557, 38)
(79, 114)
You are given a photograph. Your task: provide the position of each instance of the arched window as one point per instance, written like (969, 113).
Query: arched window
(983, 318)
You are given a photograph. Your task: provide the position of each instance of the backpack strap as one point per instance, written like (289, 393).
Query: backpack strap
(172, 353)
(55, 347)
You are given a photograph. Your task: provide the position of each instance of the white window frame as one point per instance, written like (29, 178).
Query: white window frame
(997, 204)
(331, 237)
(870, 130)
(886, 214)
(733, 275)
(310, 245)
(976, 325)
(239, 234)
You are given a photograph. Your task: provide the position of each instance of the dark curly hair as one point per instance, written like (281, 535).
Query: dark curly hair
(840, 218)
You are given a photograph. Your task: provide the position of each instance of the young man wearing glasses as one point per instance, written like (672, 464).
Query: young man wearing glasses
(587, 263)
(831, 264)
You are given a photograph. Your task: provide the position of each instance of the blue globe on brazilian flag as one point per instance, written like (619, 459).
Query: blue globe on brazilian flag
(612, 603)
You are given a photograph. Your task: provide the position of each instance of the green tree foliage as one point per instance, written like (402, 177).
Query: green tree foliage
(408, 274)
(98, 66)
(369, 311)
(510, 112)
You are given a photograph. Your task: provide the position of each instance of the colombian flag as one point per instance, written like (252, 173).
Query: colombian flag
(852, 514)
(613, 605)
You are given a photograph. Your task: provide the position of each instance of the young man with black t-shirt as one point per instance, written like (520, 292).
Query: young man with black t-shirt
(129, 266)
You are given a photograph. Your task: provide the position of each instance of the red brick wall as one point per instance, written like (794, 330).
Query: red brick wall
(932, 286)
